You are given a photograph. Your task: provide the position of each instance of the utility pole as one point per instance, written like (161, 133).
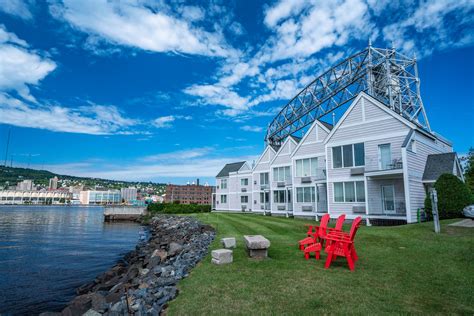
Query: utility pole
(8, 144)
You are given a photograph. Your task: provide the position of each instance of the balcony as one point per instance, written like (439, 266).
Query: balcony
(379, 208)
(374, 167)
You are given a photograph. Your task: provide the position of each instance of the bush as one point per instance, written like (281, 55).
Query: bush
(453, 196)
(173, 208)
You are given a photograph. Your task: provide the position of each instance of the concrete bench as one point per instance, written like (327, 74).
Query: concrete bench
(221, 256)
(257, 246)
(228, 242)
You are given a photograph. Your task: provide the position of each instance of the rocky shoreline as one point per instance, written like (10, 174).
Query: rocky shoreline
(145, 280)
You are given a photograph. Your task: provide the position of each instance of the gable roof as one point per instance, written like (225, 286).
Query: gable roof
(378, 104)
(326, 124)
(294, 139)
(230, 167)
(269, 147)
(437, 164)
(276, 148)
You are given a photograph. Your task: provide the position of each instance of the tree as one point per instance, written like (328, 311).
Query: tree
(453, 196)
(469, 170)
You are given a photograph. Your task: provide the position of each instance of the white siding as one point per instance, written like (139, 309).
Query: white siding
(416, 166)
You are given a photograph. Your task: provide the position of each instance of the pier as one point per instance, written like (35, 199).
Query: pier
(123, 212)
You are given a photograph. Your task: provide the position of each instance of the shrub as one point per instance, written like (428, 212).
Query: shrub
(173, 208)
(453, 196)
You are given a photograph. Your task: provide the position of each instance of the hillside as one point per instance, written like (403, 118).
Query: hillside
(10, 176)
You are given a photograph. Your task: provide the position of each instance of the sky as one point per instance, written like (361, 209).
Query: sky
(170, 91)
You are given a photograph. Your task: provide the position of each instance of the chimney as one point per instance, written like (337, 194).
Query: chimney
(197, 181)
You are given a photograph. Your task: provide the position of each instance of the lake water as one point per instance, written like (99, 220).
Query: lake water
(46, 252)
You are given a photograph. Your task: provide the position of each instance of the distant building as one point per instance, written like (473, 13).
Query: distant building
(129, 194)
(53, 183)
(34, 197)
(100, 197)
(76, 191)
(189, 194)
(25, 185)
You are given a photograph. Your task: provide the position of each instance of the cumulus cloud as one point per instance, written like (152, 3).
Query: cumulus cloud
(18, 8)
(90, 119)
(20, 65)
(142, 26)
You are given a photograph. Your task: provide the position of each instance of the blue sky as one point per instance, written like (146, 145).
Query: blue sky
(172, 90)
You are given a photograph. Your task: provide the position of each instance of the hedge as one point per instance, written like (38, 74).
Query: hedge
(453, 196)
(173, 208)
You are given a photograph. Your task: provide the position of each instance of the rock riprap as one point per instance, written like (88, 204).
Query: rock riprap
(145, 280)
(257, 246)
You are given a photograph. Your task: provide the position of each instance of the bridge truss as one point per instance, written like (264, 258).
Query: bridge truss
(385, 74)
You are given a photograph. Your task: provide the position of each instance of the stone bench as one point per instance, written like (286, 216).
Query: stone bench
(221, 256)
(257, 246)
(228, 242)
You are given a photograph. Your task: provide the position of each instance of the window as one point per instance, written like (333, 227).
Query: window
(244, 199)
(385, 156)
(348, 156)
(339, 192)
(305, 195)
(279, 196)
(244, 181)
(306, 167)
(349, 191)
(224, 184)
(281, 174)
(223, 198)
(264, 178)
(337, 157)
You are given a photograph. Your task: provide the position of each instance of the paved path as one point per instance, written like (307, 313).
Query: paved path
(464, 223)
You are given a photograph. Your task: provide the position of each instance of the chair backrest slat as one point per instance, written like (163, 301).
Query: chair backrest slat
(355, 226)
(340, 221)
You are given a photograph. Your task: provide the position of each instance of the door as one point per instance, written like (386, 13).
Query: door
(388, 199)
(321, 195)
(385, 156)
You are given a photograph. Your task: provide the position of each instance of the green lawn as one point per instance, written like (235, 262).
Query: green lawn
(402, 269)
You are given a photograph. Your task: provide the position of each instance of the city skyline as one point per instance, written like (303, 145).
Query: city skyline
(169, 93)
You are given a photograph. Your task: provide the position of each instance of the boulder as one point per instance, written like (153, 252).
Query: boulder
(257, 246)
(222, 256)
(174, 248)
(228, 242)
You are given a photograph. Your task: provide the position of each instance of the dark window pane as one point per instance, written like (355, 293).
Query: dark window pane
(347, 155)
(359, 155)
(336, 157)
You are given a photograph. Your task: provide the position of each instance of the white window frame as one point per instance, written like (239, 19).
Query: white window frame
(282, 170)
(223, 183)
(342, 156)
(380, 155)
(246, 197)
(267, 178)
(344, 192)
(311, 194)
(223, 199)
(310, 162)
(244, 182)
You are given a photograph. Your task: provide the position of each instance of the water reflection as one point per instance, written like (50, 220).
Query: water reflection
(47, 252)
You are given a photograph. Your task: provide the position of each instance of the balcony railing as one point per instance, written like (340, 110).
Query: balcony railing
(375, 164)
(389, 208)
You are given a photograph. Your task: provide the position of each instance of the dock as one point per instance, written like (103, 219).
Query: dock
(123, 212)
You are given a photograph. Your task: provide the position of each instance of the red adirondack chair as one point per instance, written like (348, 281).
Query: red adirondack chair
(340, 244)
(314, 238)
(317, 246)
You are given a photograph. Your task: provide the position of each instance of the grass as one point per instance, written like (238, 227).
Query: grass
(402, 269)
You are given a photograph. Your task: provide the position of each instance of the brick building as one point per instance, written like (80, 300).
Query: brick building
(189, 194)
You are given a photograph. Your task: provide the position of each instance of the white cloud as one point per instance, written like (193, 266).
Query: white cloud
(91, 119)
(19, 8)
(135, 24)
(219, 95)
(283, 9)
(249, 128)
(20, 66)
(430, 25)
(165, 121)
(180, 154)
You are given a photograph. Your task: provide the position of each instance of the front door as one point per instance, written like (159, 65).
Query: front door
(289, 202)
(388, 199)
(385, 156)
(322, 204)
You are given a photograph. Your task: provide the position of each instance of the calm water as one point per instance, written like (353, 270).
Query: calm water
(47, 252)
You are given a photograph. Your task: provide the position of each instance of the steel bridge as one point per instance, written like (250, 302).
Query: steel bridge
(385, 74)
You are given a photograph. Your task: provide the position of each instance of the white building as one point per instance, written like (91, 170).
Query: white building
(373, 163)
(129, 194)
(34, 197)
(25, 185)
(53, 183)
(100, 197)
